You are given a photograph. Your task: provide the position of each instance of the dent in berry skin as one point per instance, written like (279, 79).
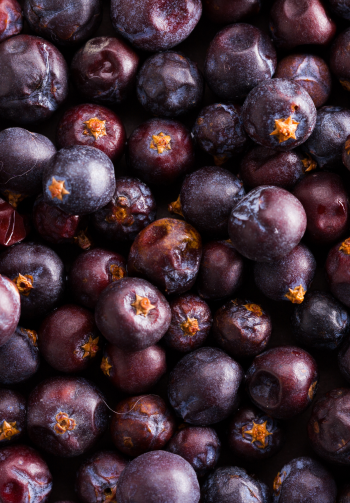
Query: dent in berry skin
(253, 435)
(66, 416)
(154, 25)
(12, 416)
(238, 59)
(203, 386)
(191, 321)
(230, 11)
(131, 209)
(141, 424)
(304, 479)
(94, 126)
(234, 484)
(24, 475)
(279, 114)
(282, 381)
(199, 446)
(267, 224)
(10, 309)
(242, 328)
(98, 476)
(33, 79)
(311, 72)
(332, 128)
(11, 21)
(160, 151)
(65, 23)
(168, 253)
(104, 70)
(169, 84)
(219, 131)
(19, 357)
(305, 22)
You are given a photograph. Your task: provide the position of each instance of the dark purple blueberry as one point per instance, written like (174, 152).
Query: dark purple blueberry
(12, 416)
(53, 224)
(38, 273)
(304, 480)
(340, 58)
(104, 70)
(311, 72)
(92, 272)
(12, 225)
(167, 253)
(197, 445)
(279, 114)
(329, 426)
(163, 475)
(94, 126)
(207, 198)
(11, 21)
(135, 372)
(132, 314)
(342, 9)
(233, 484)
(289, 278)
(344, 494)
(23, 157)
(169, 84)
(267, 224)
(332, 128)
(64, 23)
(68, 338)
(253, 435)
(79, 180)
(301, 23)
(238, 59)
(191, 321)
(265, 166)
(320, 322)
(10, 309)
(338, 271)
(24, 476)
(131, 209)
(66, 416)
(160, 151)
(230, 11)
(242, 328)
(19, 357)
(344, 358)
(155, 25)
(141, 424)
(221, 271)
(219, 131)
(203, 387)
(282, 381)
(97, 477)
(33, 79)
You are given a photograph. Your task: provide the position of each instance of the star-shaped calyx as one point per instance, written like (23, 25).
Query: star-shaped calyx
(64, 423)
(91, 347)
(285, 129)
(142, 305)
(309, 163)
(105, 366)
(258, 433)
(8, 430)
(254, 308)
(160, 142)
(296, 295)
(24, 283)
(58, 189)
(277, 483)
(95, 127)
(345, 246)
(190, 326)
(117, 272)
(175, 207)
(109, 494)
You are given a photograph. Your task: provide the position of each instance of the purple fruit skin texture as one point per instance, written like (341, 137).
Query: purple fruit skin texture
(276, 278)
(53, 224)
(13, 409)
(19, 358)
(328, 426)
(338, 274)
(99, 473)
(10, 309)
(158, 476)
(342, 9)
(203, 386)
(207, 198)
(267, 224)
(239, 58)
(278, 99)
(230, 11)
(11, 19)
(24, 61)
(339, 58)
(282, 381)
(305, 480)
(24, 156)
(117, 320)
(153, 25)
(75, 397)
(24, 475)
(344, 360)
